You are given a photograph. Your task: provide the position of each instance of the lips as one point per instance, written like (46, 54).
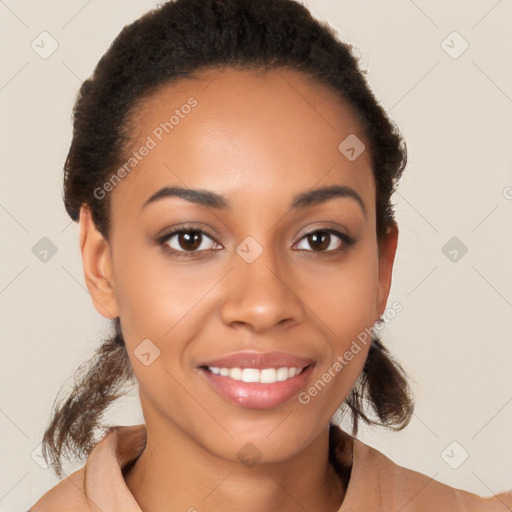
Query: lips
(257, 380)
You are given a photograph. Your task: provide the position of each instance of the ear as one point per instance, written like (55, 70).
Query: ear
(97, 263)
(387, 253)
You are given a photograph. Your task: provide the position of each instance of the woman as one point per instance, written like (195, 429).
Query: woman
(232, 173)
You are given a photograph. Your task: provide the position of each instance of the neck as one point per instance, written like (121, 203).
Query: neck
(174, 473)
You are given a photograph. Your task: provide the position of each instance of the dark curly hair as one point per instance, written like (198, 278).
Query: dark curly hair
(177, 40)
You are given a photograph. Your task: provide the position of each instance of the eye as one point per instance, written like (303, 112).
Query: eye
(326, 241)
(188, 241)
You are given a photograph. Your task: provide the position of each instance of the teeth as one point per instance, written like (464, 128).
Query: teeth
(266, 375)
(249, 375)
(282, 374)
(235, 373)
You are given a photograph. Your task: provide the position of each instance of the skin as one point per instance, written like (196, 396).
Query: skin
(258, 139)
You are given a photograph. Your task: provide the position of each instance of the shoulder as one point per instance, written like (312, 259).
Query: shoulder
(378, 483)
(400, 488)
(67, 494)
(99, 484)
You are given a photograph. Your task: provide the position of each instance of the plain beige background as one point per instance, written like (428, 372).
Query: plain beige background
(453, 335)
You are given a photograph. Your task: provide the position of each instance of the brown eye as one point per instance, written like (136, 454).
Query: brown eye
(319, 241)
(188, 241)
(325, 241)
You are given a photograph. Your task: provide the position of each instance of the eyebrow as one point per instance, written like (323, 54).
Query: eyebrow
(216, 201)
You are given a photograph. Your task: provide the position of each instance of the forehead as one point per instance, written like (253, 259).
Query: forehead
(236, 131)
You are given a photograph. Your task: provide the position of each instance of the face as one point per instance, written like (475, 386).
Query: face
(238, 282)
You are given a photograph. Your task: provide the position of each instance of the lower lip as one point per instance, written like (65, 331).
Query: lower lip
(256, 395)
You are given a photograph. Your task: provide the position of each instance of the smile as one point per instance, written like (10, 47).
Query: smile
(264, 376)
(257, 380)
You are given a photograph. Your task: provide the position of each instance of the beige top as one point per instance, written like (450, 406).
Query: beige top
(376, 483)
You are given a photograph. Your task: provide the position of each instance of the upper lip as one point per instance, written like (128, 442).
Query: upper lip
(259, 360)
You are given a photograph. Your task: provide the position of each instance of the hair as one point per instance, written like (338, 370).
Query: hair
(178, 40)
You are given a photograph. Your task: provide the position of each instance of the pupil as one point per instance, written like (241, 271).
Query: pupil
(190, 240)
(320, 240)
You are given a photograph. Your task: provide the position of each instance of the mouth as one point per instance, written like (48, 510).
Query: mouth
(257, 380)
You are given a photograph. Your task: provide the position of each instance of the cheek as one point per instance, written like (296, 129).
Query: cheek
(346, 302)
(345, 295)
(168, 305)
(154, 295)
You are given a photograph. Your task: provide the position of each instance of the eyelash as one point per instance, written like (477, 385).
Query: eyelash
(346, 240)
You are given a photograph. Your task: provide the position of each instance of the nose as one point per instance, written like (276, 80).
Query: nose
(260, 296)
